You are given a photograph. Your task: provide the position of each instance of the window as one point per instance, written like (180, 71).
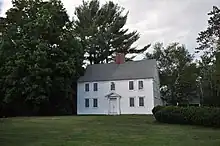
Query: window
(86, 102)
(131, 101)
(86, 87)
(95, 87)
(141, 101)
(131, 85)
(112, 86)
(140, 85)
(95, 102)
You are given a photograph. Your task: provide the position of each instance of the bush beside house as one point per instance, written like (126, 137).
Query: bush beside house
(206, 116)
(157, 108)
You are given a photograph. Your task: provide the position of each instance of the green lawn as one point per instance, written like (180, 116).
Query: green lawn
(101, 131)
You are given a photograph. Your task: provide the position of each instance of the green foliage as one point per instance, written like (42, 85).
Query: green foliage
(40, 55)
(102, 33)
(209, 42)
(207, 39)
(156, 109)
(206, 116)
(178, 73)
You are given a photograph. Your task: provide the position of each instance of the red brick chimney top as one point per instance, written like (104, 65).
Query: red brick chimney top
(120, 58)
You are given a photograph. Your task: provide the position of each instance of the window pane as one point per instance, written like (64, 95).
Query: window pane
(95, 102)
(95, 87)
(131, 102)
(112, 86)
(140, 85)
(141, 101)
(86, 102)
(86, 87)
(131, 85)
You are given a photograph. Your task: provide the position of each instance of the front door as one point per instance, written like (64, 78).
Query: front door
(113, 107)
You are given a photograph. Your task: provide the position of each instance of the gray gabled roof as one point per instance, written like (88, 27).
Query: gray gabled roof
(112, 71)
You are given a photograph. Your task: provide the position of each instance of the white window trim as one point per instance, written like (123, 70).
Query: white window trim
(85, 87)
(139, 101)
(129, 85)
(94, 86)
(93, 103)
(138, 85)
(85, 102)
(129, 102)
(111, 86)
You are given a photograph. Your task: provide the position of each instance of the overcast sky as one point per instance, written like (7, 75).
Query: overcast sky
(158, 20)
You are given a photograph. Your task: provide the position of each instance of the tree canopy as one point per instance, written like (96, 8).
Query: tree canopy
(178, 74)
(102, 31)
(40, 54)
(209, 44)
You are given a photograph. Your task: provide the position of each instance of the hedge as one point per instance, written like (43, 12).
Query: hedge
(156, 108)
(206, 116)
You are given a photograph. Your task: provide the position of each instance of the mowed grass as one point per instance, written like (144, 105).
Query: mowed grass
(102, 131)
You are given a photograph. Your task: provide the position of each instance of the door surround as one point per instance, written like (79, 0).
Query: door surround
(111, 97)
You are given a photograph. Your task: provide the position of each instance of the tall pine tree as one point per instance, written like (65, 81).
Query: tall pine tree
(102, 32)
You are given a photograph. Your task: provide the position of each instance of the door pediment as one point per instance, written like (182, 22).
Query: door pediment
(113, 95)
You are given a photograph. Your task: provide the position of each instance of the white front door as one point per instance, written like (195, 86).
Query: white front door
(113, 106)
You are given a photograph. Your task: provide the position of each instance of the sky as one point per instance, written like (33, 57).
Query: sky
(163, 21)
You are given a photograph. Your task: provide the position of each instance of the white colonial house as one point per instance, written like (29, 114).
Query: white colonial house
(119, 88)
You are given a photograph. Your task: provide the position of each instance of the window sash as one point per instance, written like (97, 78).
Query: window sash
(112, 86)
(86, 87)
(95, 102)
(141, 101)
(131, 85)
(131, 100)
(95, 87)
(140, 85)
(86, 102)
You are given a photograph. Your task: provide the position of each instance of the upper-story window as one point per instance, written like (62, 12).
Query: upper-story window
(131, 85)
(112, 86)
(140, 85)
(95, 86)
(87, 87)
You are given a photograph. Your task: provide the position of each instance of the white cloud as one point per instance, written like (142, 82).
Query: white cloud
(161, 20)
(6, 4)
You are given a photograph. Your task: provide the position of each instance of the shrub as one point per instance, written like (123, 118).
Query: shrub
(206, 116)
(156, 109)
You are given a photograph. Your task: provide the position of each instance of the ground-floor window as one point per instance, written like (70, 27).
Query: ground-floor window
(95, 102)
(131, 101)
(141, 101)
(87, 102)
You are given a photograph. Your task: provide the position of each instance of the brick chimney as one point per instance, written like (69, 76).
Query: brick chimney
(120, 58)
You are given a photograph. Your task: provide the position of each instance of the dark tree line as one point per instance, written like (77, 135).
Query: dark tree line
(39, 57)
(42, 52)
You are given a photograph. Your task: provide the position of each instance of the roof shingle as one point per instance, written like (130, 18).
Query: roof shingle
(112, 71)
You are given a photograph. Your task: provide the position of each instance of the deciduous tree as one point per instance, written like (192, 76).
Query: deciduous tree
(177, 72)
(209, 42)
(39, 57)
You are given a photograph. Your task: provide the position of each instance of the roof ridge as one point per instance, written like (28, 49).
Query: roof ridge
(111, 71)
